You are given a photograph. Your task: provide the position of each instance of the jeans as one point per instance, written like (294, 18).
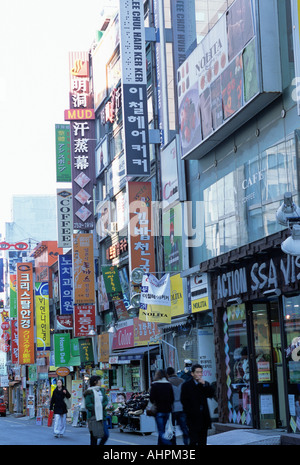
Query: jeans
(59, 426)
(179, 418)
(94, 441)
(161, 421)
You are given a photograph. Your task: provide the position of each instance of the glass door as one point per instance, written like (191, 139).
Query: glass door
(268, 368)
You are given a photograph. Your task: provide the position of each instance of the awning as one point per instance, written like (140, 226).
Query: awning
(135, 353)
(176, 323)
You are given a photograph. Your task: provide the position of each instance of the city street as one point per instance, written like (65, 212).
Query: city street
(22, 431)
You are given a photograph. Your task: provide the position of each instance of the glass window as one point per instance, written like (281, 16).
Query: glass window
(291, 313)
(237, 365)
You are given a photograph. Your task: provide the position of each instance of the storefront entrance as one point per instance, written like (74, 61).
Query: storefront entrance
(255, 370)
(266, 365)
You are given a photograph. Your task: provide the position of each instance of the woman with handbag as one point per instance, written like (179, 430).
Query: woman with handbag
(59, 407)
(95, 401)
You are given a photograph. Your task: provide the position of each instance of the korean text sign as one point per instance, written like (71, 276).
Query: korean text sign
(83, 266)
(65, 284)
(42, 316)
(25, 313)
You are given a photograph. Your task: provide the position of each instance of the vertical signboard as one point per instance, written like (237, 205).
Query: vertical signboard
(83, 266)
(1, 276)
(84, 319)
(14, 342)
(63, 154)
(140, 223)
(25, 313)
(13, 296)
(65, 284)
(42, 316)
(64, 217)
(82, 128)
(61, 349)
(134, 87)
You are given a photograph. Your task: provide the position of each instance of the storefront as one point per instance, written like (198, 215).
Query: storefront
(256, 308)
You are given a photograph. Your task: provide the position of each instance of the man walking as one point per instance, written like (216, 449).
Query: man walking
(178, 415)
(194, 394)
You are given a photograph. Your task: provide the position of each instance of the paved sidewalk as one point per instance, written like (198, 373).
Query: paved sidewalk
(239, 437)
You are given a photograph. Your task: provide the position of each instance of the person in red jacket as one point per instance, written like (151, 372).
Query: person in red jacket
(194, 395)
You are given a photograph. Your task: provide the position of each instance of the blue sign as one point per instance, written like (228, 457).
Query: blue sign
(65, 284)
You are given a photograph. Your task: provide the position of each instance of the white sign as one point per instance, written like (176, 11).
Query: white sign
(64, 217)
(154, 291)
(169, 174)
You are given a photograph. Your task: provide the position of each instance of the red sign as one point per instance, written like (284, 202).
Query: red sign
(79, 113)
(124, 337)
(14, 342)
(16, 246)
(84, 319)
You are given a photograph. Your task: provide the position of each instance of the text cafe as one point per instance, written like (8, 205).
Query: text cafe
(256, 305)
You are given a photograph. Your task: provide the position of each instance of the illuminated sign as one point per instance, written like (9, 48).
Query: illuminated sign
(79, 113)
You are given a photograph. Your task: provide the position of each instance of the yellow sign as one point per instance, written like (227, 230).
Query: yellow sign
(156, 314)
(177, 300)
(42, 316)
(200, 305)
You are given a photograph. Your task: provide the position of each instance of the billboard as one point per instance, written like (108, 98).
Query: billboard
(82, 131)
(134, 87)
(141, 243)
(25, 313)
(42, 316)
(64, 217)
(63, 153)
(83, 269)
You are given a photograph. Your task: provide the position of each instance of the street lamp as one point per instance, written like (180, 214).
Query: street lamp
(288, 214)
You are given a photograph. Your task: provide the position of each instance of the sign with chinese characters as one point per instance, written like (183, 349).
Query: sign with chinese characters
(141, 244)
(112, 282)
(86, 351)
(65, 284)
(83, 266)
(64, 217)
(82, 129)
(84, 319)
(25, 313)
(42, 316)
(63, 153)
(134, 87)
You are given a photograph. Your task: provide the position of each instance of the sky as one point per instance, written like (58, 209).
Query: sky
(35, 39)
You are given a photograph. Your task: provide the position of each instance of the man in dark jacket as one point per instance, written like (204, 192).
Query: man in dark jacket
(161, 394)
(194, 394)
(178, 415)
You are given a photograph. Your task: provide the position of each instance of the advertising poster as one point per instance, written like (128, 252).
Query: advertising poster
(103, 226)
(124, 336)
(155, 303)
(65, 274)
(63, 153)
(177, 296)
(141, 243)
(61, 349)
(172, 232)
(42, 316)
(25, 294)
(211, 80)
(83, 268)
(169, 174)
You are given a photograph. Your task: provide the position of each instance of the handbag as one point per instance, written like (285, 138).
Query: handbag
(50, 418)
(67, 402)
(96, 427)
(169, 430)
(151, 409)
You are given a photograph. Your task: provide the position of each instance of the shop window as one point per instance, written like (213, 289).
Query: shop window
(237, 365)
(291, 309)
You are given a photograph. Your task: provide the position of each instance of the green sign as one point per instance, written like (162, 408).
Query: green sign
(63, 153)
(86, 351)
(75, 355)
(112, 282)
(62, 349)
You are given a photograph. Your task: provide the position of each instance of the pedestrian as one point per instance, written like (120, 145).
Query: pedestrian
(96, 400)
(185, 374)
(178, 415)
(161, 394)
(59, 408)
(194, 394)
